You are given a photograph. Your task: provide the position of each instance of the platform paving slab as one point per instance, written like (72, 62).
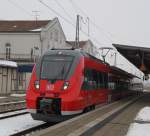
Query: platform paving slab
(119, 125)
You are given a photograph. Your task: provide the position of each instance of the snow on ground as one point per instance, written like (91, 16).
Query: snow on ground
(12, 113)
(18, 95)
(143, 115)
(137, 129)
(142, 125)
(16, 124)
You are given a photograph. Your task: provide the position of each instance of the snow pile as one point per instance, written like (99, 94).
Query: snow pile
(142, 125)
(137, 129)
(143, 115)
(18, 95)
(12, 113)
(8, 63)
(16, 124)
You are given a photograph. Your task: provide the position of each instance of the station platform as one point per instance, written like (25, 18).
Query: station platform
(109, 120)
(120, 124)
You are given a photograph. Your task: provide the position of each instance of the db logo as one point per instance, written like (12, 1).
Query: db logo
(50, 87)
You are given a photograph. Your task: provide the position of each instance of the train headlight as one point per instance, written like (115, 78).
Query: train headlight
(37, 84)
(65, 86)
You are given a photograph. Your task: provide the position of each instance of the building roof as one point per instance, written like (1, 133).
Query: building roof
(139, 56)
(117, 71)
(81, 43)
(6, 63)
(22, 25)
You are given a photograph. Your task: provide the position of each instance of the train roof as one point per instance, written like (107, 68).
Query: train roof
(73, 52)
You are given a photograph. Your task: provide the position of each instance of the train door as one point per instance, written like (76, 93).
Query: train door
(86, 87)
(101, 80)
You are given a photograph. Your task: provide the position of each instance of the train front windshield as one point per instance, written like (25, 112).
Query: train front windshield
(55, 67)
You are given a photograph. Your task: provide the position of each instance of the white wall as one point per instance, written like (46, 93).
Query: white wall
(21, 43)
(90, 48)
(53, 36)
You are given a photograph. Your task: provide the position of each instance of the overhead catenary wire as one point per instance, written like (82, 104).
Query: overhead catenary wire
(57, 13)
(65, 19)
(101, 30)
(19, 7)
(61, 6)
(108, 34)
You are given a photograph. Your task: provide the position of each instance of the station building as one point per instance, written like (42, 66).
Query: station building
(24, 41)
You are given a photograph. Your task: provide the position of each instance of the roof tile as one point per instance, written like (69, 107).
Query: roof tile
(21, 25)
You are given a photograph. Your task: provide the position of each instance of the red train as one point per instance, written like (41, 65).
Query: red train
(65, 83)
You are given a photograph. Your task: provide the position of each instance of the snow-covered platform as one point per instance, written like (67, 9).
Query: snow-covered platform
(122, 124)
(141, 125)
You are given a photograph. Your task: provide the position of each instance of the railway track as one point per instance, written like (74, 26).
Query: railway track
(10, 114)
(21, 124)
(12, 106)
(86, 123)
(31, 127)
(32, 130)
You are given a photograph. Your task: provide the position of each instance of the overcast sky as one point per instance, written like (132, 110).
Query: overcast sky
(117, 21)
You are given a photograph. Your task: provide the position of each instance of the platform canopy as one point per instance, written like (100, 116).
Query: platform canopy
(139, 56)
(123, 74)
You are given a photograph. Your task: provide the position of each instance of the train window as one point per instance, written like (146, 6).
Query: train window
(105, 80)
(100, 80)
(85, 82)
(94, 80)
(90, 79)
(55, 68)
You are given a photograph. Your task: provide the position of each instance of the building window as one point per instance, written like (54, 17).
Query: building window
(8, 50)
